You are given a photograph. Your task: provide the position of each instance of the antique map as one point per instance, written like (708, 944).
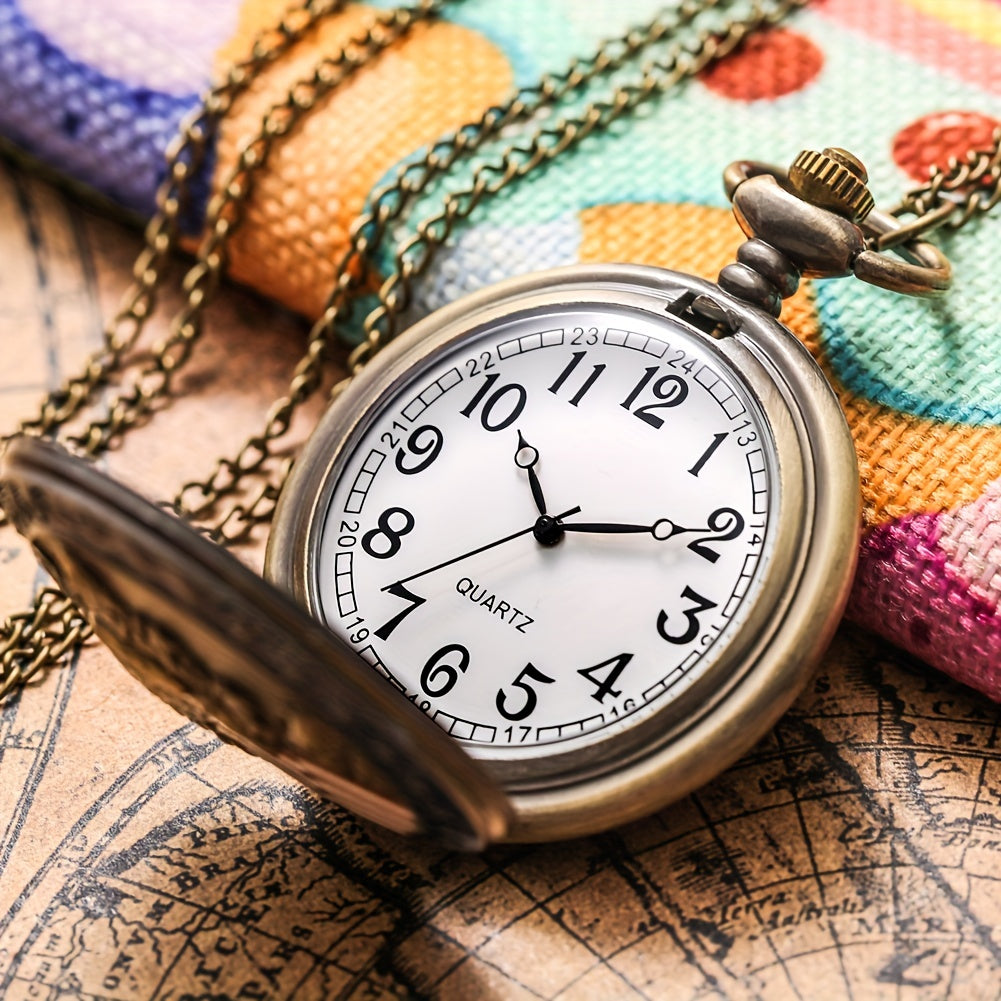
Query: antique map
(855, 853)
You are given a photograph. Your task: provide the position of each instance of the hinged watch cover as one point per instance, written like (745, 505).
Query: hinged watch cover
(233, 653)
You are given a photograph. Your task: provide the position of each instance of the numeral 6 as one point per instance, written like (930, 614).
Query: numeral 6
(439, 677)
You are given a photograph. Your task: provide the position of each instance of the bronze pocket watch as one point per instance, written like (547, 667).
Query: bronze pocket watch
(575, 541)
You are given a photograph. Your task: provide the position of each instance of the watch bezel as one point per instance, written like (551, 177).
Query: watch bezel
(626, 773)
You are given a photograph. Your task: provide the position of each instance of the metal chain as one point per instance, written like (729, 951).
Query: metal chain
(184, 157)
(198, 498)
(155, 380)
(550, 141)
(37, 638)
(951, 197)
(41, 636)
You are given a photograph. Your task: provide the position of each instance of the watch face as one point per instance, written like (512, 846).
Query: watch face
(548, 530)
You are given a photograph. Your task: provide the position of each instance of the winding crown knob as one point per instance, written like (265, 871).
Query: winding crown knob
(834, 180)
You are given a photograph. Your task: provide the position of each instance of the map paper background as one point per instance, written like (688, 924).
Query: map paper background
(853, 854)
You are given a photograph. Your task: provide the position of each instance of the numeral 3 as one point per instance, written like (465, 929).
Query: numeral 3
(691, 615)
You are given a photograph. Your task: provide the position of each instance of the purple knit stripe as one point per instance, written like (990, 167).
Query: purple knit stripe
(98, 130)
(907, 591)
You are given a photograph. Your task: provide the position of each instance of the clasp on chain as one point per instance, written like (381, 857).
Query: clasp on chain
(817, 220)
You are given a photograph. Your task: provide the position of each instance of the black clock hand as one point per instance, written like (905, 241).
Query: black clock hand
(661, 530)
(528, 462)
(481, 549)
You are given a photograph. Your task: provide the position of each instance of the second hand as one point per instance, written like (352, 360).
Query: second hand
(479, 549)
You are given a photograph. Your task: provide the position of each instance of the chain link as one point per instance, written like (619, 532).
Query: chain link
(37, 638)
(951, 197)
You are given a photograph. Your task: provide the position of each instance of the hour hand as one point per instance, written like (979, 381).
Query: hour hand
(525, 457)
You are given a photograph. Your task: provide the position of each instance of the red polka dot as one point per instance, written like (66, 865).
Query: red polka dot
(768, 65)
(935, 139)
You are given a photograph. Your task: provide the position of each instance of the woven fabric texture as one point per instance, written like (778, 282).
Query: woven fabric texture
(904, 84)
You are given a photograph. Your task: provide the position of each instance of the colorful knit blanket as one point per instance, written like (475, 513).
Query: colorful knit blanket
(97, 88)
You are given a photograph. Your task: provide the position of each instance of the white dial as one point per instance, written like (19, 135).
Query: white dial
(550, 531)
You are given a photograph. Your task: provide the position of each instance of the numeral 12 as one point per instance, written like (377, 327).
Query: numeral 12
(670, 389)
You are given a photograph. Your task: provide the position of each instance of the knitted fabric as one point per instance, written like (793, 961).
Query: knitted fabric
(904, 84)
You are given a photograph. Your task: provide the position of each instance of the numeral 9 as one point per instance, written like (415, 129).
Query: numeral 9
(426, 441)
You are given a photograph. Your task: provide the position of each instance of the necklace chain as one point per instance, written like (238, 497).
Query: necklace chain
(952, 195)
(387, 205)
(184, 157)
(46, 633)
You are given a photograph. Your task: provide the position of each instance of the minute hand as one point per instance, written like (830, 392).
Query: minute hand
(660, 530)
(479, 549)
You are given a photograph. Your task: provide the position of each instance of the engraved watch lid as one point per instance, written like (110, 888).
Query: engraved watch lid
(237, 655)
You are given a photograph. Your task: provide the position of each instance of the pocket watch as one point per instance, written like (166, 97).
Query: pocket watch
(573, 542)
(599, 523)
(596, 544)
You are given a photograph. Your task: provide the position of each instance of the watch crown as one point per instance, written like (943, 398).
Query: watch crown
(834, 180)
